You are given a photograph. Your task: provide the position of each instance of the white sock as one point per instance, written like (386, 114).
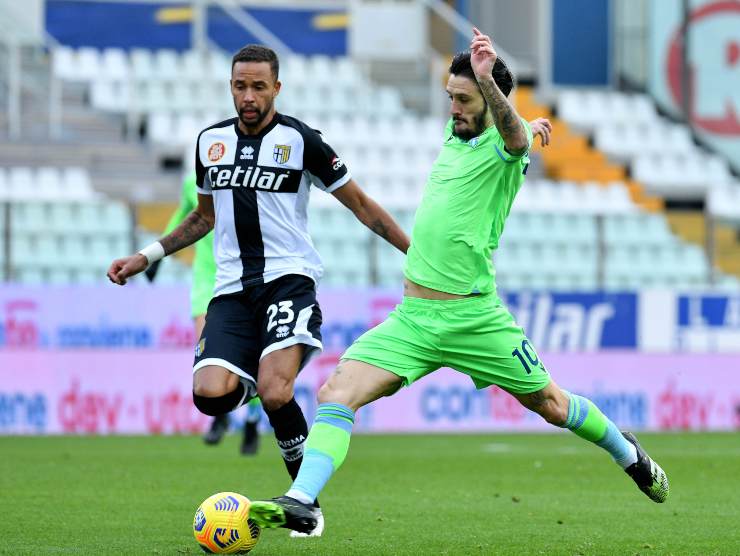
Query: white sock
(300, 496)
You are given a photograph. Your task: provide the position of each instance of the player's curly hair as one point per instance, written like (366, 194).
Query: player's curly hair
(258, 53)
(501, 75)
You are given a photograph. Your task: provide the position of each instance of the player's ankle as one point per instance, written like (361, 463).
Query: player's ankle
(300, 496)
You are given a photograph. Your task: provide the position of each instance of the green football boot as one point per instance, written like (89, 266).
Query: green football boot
(283, 511)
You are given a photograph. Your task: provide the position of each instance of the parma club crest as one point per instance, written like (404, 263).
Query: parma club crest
(200, 348)
(281, 153)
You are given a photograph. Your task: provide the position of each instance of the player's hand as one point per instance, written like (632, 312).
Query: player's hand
(122, 269)
(543, 128)
(482, 54)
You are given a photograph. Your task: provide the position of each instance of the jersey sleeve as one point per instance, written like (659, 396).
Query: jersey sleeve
(202, 181)
(500, 145)
(186, 205)
(325, 169)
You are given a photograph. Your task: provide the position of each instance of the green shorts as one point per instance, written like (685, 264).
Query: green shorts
(474, 335)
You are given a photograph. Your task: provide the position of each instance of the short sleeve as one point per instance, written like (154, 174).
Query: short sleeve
(500, 146)
(326, 170)
(202, 181)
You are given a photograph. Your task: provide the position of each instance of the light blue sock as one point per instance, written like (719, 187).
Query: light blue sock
(588, 422)
(326, 447)
(623, 452)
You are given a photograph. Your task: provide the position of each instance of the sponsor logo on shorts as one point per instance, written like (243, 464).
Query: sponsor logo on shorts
(200, 348)
(216, 152)
(282, 331)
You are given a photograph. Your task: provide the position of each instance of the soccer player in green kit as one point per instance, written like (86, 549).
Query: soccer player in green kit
(450, 314)
(201, 292)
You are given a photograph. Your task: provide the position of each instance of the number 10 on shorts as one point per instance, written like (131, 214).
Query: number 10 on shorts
(527, 357)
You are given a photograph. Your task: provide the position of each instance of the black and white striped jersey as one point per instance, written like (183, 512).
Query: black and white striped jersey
(260, 186)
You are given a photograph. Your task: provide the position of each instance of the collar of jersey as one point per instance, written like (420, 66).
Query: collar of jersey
(275, 120)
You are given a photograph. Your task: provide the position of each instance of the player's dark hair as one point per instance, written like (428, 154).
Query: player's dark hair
(501, 75)
(258, 53)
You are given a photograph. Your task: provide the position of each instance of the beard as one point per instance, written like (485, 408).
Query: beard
(260, 116)
(478, 127)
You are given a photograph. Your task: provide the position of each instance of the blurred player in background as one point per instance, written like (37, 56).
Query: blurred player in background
(450, 315)
(253, 177)
(204, 280)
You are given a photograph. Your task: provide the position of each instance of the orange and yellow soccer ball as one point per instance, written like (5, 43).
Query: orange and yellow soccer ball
(222, 524)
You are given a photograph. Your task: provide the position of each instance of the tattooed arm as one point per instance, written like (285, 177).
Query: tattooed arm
(372, 215)
(195, 226)
(508, 122)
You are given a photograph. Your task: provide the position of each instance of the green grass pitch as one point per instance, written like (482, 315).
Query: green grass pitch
(416, 495)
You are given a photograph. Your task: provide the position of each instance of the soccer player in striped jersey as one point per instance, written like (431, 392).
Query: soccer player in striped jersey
(254, 174)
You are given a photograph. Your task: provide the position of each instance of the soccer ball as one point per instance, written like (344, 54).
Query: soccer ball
(222, 524)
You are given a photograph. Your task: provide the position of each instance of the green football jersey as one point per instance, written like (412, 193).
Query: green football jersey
(204, 263)
(467, 198)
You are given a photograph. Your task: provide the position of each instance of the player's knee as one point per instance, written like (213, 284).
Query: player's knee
(274, 395)
(214, 382)
(333, 391)
(209, 389)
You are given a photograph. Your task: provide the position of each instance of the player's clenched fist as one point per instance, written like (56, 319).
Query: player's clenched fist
(122, 269)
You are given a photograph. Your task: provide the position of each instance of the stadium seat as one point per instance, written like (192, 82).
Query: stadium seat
(64, 63)
(142, 64)
(88, 64)
(167, 65)
(114, 64)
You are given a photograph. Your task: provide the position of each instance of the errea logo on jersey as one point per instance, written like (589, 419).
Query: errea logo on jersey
(247, 153)
(254, 177)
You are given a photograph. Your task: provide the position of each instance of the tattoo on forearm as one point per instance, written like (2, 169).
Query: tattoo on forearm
(193, 228)
(504, 116)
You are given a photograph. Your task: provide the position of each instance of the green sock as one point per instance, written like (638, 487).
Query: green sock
(588, 422)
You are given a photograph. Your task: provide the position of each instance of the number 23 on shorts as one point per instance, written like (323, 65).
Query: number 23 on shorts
(283, 310)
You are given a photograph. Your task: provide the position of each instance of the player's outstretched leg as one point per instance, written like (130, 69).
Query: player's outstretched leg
(326, 447)
(582, 417)
(352, 385)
